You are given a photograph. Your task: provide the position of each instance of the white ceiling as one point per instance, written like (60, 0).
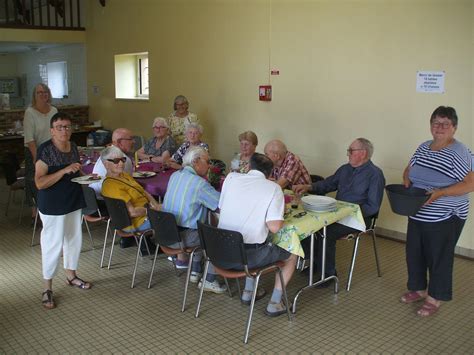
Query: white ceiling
(20, 47)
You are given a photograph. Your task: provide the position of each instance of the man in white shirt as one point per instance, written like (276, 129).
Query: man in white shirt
(254, 206)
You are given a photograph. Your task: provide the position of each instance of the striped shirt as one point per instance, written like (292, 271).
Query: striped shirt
(189, 197)
(439, 169)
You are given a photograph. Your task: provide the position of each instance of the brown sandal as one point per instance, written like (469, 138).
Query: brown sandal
(428, 309)
(84, 285)
(48, 301)
(411, 296)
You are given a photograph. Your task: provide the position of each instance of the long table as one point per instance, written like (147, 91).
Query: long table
(299, 225)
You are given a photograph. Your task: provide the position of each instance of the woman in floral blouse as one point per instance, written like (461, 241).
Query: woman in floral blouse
(162, 146)
(193, 139)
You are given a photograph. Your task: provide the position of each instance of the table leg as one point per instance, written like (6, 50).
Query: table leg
(323, 279)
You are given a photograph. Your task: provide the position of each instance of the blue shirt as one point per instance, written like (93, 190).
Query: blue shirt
(189, 197)
(431, 169)
(362, 185)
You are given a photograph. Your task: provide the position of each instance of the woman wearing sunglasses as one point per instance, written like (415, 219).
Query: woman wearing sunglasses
(120, 185)
(60, 203)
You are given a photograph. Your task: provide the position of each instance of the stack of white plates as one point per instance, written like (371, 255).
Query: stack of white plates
(318, 203)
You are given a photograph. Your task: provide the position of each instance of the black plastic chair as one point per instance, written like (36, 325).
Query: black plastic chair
(15, 183)
(166, 234)
(120, 219)
(224, 247)
(356, 236)
(91, 213)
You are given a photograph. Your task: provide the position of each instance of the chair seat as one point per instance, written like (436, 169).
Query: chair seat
(18, 185)
(175, 251)
(93, 219)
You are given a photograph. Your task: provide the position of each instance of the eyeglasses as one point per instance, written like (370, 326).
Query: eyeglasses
(117, 160)
(160, 127)
(126, 139)
(443, 125)
(351, 150)
(205, 161)
(62, 128)
(42, 92)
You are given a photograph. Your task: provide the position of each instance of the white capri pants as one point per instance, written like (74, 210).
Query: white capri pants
(60, 233)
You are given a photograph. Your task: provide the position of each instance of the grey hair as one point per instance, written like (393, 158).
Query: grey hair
(367, 145)
(180, 98)
(160, 120)
(192, 155)
(194, 125)
(111, 152)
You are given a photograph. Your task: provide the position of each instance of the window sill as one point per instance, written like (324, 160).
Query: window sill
(132, 98)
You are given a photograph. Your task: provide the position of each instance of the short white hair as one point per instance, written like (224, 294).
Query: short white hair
(111, 152)
(193, 155)
(160, 120)
(195, 126)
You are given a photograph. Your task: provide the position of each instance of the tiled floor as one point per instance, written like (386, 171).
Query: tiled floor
(112, 318)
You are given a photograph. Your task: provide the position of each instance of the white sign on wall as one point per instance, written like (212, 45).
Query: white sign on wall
(430, 81)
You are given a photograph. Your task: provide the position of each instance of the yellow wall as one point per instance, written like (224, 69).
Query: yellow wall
(347, 69)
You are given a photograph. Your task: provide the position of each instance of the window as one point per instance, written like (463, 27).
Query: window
(54, 74)
(131, 76)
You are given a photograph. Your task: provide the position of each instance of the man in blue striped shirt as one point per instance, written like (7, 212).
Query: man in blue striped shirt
(189, 197)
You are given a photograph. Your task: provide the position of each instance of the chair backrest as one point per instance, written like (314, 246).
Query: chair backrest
(138, 142)
(223, 247)
(91, 201)
(373, 220)
(10, 166)
(118, 212)
(316, 178)
(165, 227)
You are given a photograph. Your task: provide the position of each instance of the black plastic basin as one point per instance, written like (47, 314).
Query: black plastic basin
(405, 201)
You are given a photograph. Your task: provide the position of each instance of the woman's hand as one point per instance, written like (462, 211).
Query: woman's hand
(406, 179)
(72, 168)
(434, 195)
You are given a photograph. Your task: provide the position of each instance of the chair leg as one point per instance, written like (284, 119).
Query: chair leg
(112, 249)
(136, 259)
(201, 291)
(8, 201)
(22, 205)
(228, 287)
(237, 281)
(354, 255)
(153, 265)
(34, 228)
(379, 271)
(105, 244)
(252, 304)
(88, 231)
(188, 276)
(285, 294)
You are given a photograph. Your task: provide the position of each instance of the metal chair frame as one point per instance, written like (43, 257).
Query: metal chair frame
(120, 219)
(214, 242)
(167, 233)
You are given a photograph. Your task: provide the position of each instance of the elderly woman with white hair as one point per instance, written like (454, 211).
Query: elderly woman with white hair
(162, 146)
(120, 185)
(180, 118)
(193, 139)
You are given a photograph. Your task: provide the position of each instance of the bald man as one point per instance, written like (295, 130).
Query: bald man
(288, 168)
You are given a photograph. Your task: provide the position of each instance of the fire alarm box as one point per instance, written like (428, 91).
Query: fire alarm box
(265, 92)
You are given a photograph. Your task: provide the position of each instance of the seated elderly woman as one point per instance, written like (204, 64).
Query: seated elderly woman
(248, 143)
(193, 139)
(162, 146)
(120, 185)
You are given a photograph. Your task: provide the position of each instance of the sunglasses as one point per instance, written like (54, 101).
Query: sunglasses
(299, 215)
(117, 160)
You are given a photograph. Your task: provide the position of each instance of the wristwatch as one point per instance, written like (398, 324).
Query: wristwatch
(151, 157)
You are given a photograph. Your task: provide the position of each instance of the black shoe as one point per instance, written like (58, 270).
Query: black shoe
(127, 242)
(327, 283)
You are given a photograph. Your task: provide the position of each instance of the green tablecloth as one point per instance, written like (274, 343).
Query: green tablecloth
(296, 229)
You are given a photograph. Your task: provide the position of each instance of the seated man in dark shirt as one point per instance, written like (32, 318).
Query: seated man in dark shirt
(358, 181)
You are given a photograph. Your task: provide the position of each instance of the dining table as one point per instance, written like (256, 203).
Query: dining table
(300, 224)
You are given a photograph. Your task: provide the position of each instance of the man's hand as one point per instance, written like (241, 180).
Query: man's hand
(301, 189)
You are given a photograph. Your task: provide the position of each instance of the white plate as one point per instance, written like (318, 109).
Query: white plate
(86, 179)
(143, 174)
(313, 200)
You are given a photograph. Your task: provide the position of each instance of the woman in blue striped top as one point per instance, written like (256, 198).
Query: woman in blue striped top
(442, 166)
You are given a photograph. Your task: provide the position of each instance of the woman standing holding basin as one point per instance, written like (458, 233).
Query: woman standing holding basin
(442, 166)
(180, 118)
(161, 147)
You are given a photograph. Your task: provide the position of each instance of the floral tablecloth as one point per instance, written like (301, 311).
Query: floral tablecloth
(297, 228)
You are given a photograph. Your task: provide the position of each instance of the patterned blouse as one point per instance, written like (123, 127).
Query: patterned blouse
(168, 145)
(178, 125)
(179, 154)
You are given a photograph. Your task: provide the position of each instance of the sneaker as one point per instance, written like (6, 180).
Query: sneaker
(275, 309)
(181, 264)
(195, 277)
(213, 286)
